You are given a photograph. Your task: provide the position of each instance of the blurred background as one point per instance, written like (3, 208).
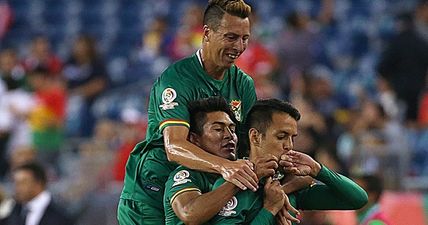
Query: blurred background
(75, 78)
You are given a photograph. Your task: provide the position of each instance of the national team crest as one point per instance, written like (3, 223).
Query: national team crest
(235, 105)
(228, 209)
(168, 97)
(181, 177)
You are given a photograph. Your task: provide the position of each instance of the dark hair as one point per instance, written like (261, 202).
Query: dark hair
(90, 45)
(217, 8)
(37, 171)
(40, 71)
(260, 115)
(373, 184)
(199, 109)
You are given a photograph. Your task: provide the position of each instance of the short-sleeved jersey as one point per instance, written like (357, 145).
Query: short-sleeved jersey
(182, 180)
(148, 168)
(336, 192)
(187, 81)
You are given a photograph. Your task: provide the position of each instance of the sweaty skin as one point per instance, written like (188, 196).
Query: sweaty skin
(185, 153)
(220, 49)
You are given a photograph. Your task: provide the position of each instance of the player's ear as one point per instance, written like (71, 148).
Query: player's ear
(255, 136)
(207, 30)
(193, 138)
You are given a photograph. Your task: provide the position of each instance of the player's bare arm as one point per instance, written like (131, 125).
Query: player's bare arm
(180, 150)
(192, 207)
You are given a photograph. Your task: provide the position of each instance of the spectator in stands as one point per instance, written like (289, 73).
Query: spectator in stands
(47, 117)
(15, 103)
(41, 55)
(89, 189)
(21, 156)
(86, 78)
(404, 64)
(132, 130)
(371, 213)
(297, 48)
(12, 74)
(6, 204)
(376, 144)
(6, 17)
(151, 59)
(35, 204)
(189, 34)
(260, 63)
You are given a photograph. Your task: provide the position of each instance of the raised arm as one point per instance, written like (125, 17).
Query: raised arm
(336, 192)
(180, 150)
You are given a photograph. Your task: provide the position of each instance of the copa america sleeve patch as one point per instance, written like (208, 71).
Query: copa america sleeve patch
(228, 209)
(168, 97)
(181, 177)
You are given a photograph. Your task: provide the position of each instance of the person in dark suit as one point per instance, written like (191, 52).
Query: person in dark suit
(34, 204)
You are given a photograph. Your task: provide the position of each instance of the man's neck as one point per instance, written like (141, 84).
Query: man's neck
(211, 68)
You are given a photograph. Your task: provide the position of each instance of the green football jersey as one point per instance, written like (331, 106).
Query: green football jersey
(148, 168)
(181, 180)
(246, 207)
(336, 192)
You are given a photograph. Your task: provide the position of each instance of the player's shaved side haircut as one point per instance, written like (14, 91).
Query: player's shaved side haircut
(199, 109)
(217, 8)
(260, 115)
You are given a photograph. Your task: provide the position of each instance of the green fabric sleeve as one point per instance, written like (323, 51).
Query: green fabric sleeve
(337, 192)
(182, 179)
(169, 99)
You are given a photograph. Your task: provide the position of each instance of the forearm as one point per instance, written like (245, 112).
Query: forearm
(339, 192)
(207, 205)
(193, 157)
(92, 88)
(344, 187)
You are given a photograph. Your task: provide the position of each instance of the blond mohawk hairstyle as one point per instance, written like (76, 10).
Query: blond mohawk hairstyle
(233, 7)
(217, 8)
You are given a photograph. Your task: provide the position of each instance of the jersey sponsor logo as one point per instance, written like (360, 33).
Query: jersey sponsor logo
(152, 187)
(168, 97)
(228, 209)
(181, 177)
(236, 108)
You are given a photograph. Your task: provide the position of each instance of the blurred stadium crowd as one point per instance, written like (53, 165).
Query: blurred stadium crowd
(75, 77)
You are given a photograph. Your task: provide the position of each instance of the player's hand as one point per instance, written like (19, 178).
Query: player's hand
(284, 216)
(274, 196)
(299, 164)
(241, 174)
(266, 166)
